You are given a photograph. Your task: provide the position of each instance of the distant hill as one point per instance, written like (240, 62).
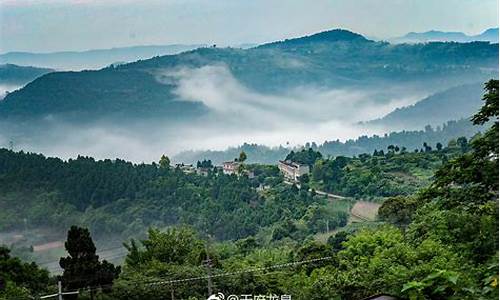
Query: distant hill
(331, 59)
(336, 35)
(489, 35)
(452, 104)
(410, 139)
(91, 59)
(18, 75)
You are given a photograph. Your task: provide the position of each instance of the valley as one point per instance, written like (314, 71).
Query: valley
(183, 150)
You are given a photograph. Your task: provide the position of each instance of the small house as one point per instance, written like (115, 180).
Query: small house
(292, 171)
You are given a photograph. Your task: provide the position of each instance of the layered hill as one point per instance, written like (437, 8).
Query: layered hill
(489, 35)
(91, 59)
(332, 59)
(19, 75)
(452, 104)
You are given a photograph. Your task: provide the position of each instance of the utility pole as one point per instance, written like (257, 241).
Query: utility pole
(208, 264)
(60, 293)
(172, 292)
(327, 226)
(25, 225)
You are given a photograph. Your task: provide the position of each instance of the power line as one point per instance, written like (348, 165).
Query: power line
(206, 277)
(60, 293)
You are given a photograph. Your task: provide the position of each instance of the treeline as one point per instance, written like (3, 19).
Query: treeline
(392, 172)
(82, 182)
(438, 243)
(364, 144)
(118, 197)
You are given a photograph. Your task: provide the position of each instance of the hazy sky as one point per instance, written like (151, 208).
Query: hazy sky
(53, 25)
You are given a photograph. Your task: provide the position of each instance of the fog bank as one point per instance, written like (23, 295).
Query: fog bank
(237, 115)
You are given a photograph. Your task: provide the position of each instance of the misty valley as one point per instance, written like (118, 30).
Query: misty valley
(324, 166)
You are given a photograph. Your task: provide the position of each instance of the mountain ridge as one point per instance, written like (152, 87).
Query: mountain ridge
(340, 62)
(450, 104)
(488, 35)
(92, 58)
(20, 75)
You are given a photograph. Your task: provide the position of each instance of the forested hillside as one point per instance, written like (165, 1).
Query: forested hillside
(107, 195)
(19, 75)
(452, 104)
(410, 139)
(335, 58)
(440, 242)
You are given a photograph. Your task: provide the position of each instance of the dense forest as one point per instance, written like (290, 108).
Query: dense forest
(115, 196)
(395, 172)
(438, 241)
(118, 197)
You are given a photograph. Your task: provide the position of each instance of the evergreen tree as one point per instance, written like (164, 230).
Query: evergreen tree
(242, 157)
(82, 267)
(164, 162)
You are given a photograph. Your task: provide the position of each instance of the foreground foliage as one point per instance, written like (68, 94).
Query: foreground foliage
(438, 243)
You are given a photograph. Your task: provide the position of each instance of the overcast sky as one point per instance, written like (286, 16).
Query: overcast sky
(54, 25)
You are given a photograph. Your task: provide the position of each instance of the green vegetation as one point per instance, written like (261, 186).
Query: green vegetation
(19, 280)
(438, 241)
(411, 140)
(396, 172)
(305, 157)
(335, 58)
(118, 197)
(82, 268)
(447, 248)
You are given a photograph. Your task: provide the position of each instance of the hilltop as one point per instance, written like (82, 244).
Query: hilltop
(332, 59)
(18, 75)
(489, 35)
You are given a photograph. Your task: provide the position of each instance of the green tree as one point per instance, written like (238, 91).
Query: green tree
(82, 267)
(242, 157)
(20, 280)
(462, 143)
(164, 162)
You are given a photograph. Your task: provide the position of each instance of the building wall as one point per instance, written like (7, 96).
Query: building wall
(293, 172)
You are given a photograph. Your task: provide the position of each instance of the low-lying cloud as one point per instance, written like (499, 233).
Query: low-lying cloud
(237, 115)
(7, 88)
(218, 89)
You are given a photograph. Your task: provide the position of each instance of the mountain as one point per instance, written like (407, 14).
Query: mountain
(452, 104)
(336, 35)
(18, 75)
(489, 35)
(91, 59)
(332, 59)
(13, 77)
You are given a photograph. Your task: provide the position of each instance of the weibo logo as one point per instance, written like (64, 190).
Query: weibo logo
(218, 296)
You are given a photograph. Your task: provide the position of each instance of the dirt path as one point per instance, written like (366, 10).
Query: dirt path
(365, 210)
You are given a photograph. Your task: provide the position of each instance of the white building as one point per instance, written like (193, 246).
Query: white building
(231, 167)
(291, 170)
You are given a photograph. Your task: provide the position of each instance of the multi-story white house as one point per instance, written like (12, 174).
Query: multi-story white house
(291, 170)
(231, 167)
